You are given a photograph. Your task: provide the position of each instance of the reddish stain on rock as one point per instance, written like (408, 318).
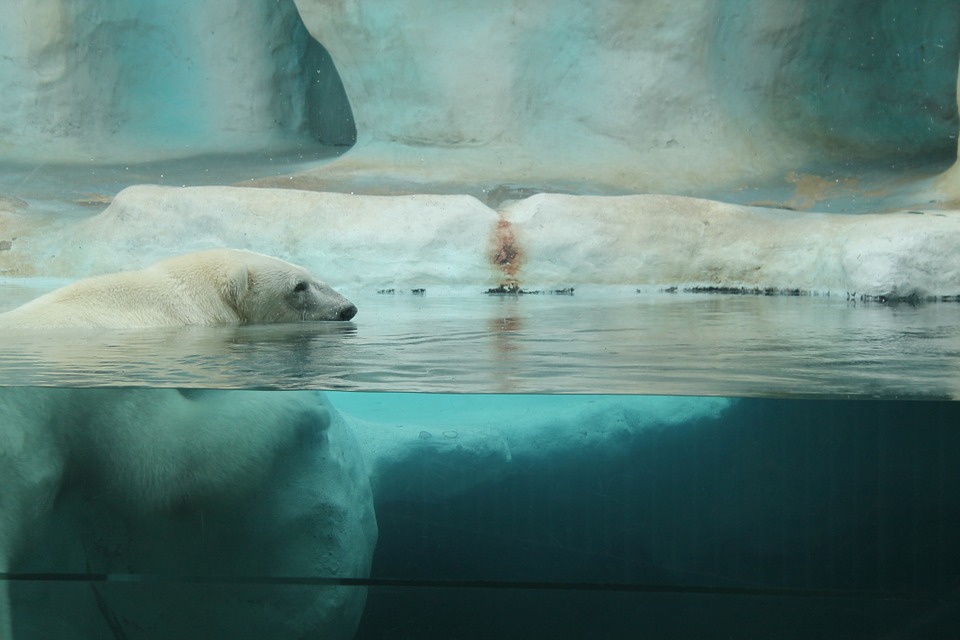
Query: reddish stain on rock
(506, 254)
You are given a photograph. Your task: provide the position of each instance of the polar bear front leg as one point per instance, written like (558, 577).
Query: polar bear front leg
(31, 472)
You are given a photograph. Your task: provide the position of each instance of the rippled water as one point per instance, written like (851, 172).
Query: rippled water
(595, 341)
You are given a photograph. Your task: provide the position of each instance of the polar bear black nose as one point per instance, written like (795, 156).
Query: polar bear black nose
(348, 312)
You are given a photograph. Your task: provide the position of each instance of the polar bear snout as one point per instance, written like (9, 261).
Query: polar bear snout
(317, 301)
(348, 311)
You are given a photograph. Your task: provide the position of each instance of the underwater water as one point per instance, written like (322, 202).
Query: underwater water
(601, 465)
(784, 518)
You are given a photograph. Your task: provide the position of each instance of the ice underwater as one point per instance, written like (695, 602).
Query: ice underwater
(708, 145)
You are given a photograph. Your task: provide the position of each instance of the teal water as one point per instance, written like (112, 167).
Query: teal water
(785, 518)
(602, 465)
(613, 516)
(595, 341)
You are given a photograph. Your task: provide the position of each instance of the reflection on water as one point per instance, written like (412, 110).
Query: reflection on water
(594, 342)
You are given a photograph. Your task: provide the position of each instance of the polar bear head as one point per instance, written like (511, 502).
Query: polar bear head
(263, 289)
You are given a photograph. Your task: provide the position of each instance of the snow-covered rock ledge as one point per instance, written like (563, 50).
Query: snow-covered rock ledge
(658, 240)
(650, 242)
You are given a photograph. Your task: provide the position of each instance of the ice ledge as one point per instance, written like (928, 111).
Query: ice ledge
(646, 241)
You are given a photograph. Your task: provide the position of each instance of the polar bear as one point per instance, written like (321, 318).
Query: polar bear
(218, 286)
(217, 482)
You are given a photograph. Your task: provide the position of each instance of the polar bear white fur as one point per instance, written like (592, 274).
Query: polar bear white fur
(159, 451)
(219, 286)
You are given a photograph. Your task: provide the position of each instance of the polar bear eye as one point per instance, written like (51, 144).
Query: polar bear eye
(302, 286)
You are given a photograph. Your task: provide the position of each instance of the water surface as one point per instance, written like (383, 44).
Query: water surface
(595, 341)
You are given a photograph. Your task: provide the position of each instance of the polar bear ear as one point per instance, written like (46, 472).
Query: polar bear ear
(238, 283)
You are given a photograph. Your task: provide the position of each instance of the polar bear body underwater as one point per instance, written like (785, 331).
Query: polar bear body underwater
(146, 451)
(219, 286)
(275, 479)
